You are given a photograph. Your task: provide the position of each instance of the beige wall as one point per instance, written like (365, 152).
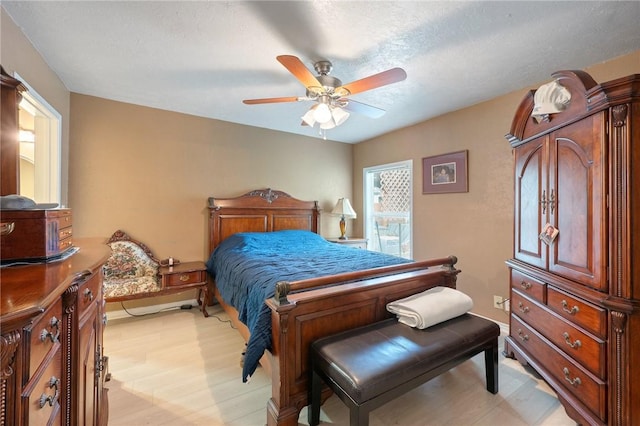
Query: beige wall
(149, 172)
(476, 226)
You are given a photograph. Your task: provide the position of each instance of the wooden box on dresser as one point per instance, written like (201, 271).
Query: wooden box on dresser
(52, 316)
(575, 301)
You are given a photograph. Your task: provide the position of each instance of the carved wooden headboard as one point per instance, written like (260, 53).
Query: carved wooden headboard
(261, 210)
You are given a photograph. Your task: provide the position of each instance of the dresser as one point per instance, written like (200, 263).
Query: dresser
(53, 364)
(575, 298)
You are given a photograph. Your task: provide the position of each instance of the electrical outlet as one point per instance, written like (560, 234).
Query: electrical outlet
(498, 302)
(507, 305)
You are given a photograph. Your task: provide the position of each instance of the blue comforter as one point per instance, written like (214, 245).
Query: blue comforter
(247, 266)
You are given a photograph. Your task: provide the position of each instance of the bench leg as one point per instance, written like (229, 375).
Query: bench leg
(491, 367)
(313, 412)
(358, 417)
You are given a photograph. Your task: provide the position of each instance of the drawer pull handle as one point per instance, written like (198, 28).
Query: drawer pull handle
(523, 337)
(525, 285)
(573, 382)
(53, 333)
(575, 344)
(51, 399)
(571, 311)
(7, 227)
(88, 294)
(184, 278)
(522, 308)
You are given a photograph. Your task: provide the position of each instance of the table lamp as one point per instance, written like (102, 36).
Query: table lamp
(343, 208)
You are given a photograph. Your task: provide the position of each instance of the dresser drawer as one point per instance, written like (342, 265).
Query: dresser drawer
(590, 390)
(584, 348)
(45, 335)
(578, 311)
(65, 219)
(530, 286)
(186, 274)
(88, 291)
(184, 278)
(41, 396)
(65, 244)
(65, 233)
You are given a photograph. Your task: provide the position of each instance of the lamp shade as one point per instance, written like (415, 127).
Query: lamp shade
(322, 113)
(308, 117)
(339, 115)
(343, 208)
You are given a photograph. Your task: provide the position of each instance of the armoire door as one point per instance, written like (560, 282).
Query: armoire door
(530, 211)
(576, 201)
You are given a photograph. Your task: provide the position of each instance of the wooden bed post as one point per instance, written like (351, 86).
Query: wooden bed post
(281, 411)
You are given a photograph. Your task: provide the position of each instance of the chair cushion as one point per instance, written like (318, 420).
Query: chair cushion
(130, 270)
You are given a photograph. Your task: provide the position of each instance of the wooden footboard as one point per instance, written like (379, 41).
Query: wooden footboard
(318, 312)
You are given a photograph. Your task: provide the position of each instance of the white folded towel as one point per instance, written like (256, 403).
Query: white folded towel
(431, 307)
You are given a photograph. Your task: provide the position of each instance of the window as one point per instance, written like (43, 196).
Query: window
(387, 208)
(40, 148)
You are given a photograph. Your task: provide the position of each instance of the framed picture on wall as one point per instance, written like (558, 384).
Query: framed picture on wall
(445, 173)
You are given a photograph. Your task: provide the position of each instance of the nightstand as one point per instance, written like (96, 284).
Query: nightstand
(187, 275)
(360, 243)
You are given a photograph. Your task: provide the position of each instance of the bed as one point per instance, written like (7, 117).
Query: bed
(302, 308)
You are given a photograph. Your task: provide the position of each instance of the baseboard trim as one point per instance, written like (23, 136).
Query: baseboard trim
(148, 310)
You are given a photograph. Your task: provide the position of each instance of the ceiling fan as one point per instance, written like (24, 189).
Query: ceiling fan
(332, 105)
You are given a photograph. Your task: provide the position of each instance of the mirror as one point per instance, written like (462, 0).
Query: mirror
(39, 137)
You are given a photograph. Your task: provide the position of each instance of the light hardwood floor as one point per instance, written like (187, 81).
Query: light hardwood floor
(178, 368)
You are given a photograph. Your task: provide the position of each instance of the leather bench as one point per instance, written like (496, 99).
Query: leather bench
(371, 365)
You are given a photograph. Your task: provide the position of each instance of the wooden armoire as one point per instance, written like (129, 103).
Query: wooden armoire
(575, 299)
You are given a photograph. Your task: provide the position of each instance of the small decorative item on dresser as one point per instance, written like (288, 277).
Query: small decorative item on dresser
(360, 243)
(187, 275)
(35, 234)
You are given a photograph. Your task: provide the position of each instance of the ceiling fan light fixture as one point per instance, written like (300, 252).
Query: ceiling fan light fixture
(328, 125)
(322, 113)
(308, 117)
(339, 115)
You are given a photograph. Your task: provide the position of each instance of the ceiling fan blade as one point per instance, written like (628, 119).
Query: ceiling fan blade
(373, 81)
(272, 100)
(364, 109)
(297, 68)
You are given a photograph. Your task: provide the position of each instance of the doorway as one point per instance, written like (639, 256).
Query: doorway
(387, 208)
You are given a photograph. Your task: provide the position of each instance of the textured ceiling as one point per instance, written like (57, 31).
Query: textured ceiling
(204, 57)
